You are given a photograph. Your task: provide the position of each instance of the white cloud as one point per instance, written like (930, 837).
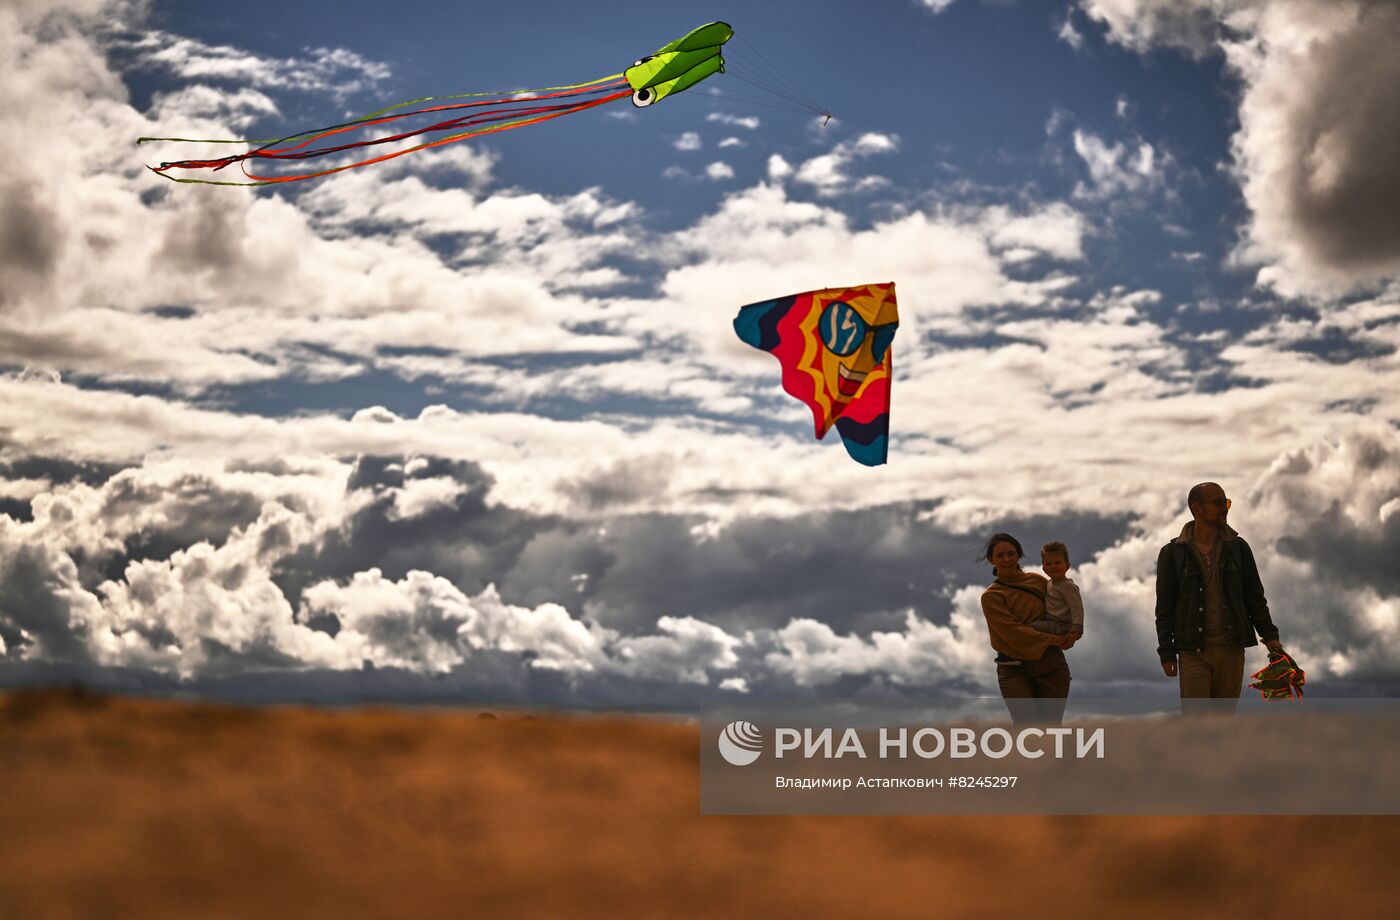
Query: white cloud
(685, 650)
(935, 6)
(1068, 34)
(1116, 170)
(334, 70)
(1141, 24)
(923, 653)
(734, 121)
(872, 143)
(204, 597)
(1057, 230)
(688, 141)
(32, 13)
(830, 172)
(761, 243)
(731, 142)
(238, 108)
(719, 171)
(39, 373)
(421, 495)
(425, 623)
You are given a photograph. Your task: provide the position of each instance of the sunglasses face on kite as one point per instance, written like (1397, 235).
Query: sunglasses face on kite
(842, 328)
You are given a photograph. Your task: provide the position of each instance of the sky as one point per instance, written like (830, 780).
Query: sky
(474, 425)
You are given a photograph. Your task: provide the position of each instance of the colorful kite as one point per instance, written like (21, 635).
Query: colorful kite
(834, 348)
(1280, 679)
(676, 66)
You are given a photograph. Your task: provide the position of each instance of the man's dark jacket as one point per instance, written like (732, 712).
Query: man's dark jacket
(1181, 595)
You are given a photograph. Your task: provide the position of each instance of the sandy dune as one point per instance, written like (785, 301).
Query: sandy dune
(134, 808)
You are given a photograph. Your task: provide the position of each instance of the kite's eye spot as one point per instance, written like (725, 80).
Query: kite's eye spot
(643, 98)
(641, 61)
(842, 329)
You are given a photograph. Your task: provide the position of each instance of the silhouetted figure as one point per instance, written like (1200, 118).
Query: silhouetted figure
(1210, 604)
(1031, 669)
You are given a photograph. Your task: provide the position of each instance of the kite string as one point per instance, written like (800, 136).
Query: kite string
(741, 101)
(782, 77)
(775, 80)
(765, 85)
(780, 100)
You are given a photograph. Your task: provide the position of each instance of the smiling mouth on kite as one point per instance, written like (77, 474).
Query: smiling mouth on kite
(848, 381)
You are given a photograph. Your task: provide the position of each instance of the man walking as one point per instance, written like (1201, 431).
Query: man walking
(1210, 602)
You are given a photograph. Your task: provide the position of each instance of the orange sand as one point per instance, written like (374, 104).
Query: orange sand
(118, 808)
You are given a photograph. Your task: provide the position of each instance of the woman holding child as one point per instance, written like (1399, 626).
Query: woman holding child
(1028, 637)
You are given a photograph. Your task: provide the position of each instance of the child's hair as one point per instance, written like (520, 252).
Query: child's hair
(1055, 548)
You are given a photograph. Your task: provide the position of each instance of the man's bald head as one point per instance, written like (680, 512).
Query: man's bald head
(1203, 492)
(1208, 503)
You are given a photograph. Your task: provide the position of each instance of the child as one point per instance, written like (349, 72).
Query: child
(1064, 609)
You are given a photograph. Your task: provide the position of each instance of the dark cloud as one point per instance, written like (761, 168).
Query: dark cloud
(1346, 545)
(270, 466)
(1334, 508)
(621, 484)
(206, 237)
(488, 677)
(563, 564)
(34, 602)
(56, 470)
(194, 509)
(173, 312)
(31, 238)
(1337, 346)
(17, 508)
(466, 540)
(1347, 554)
(256, 658)
(855, 570)
(49, 346)
(1344, 187)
